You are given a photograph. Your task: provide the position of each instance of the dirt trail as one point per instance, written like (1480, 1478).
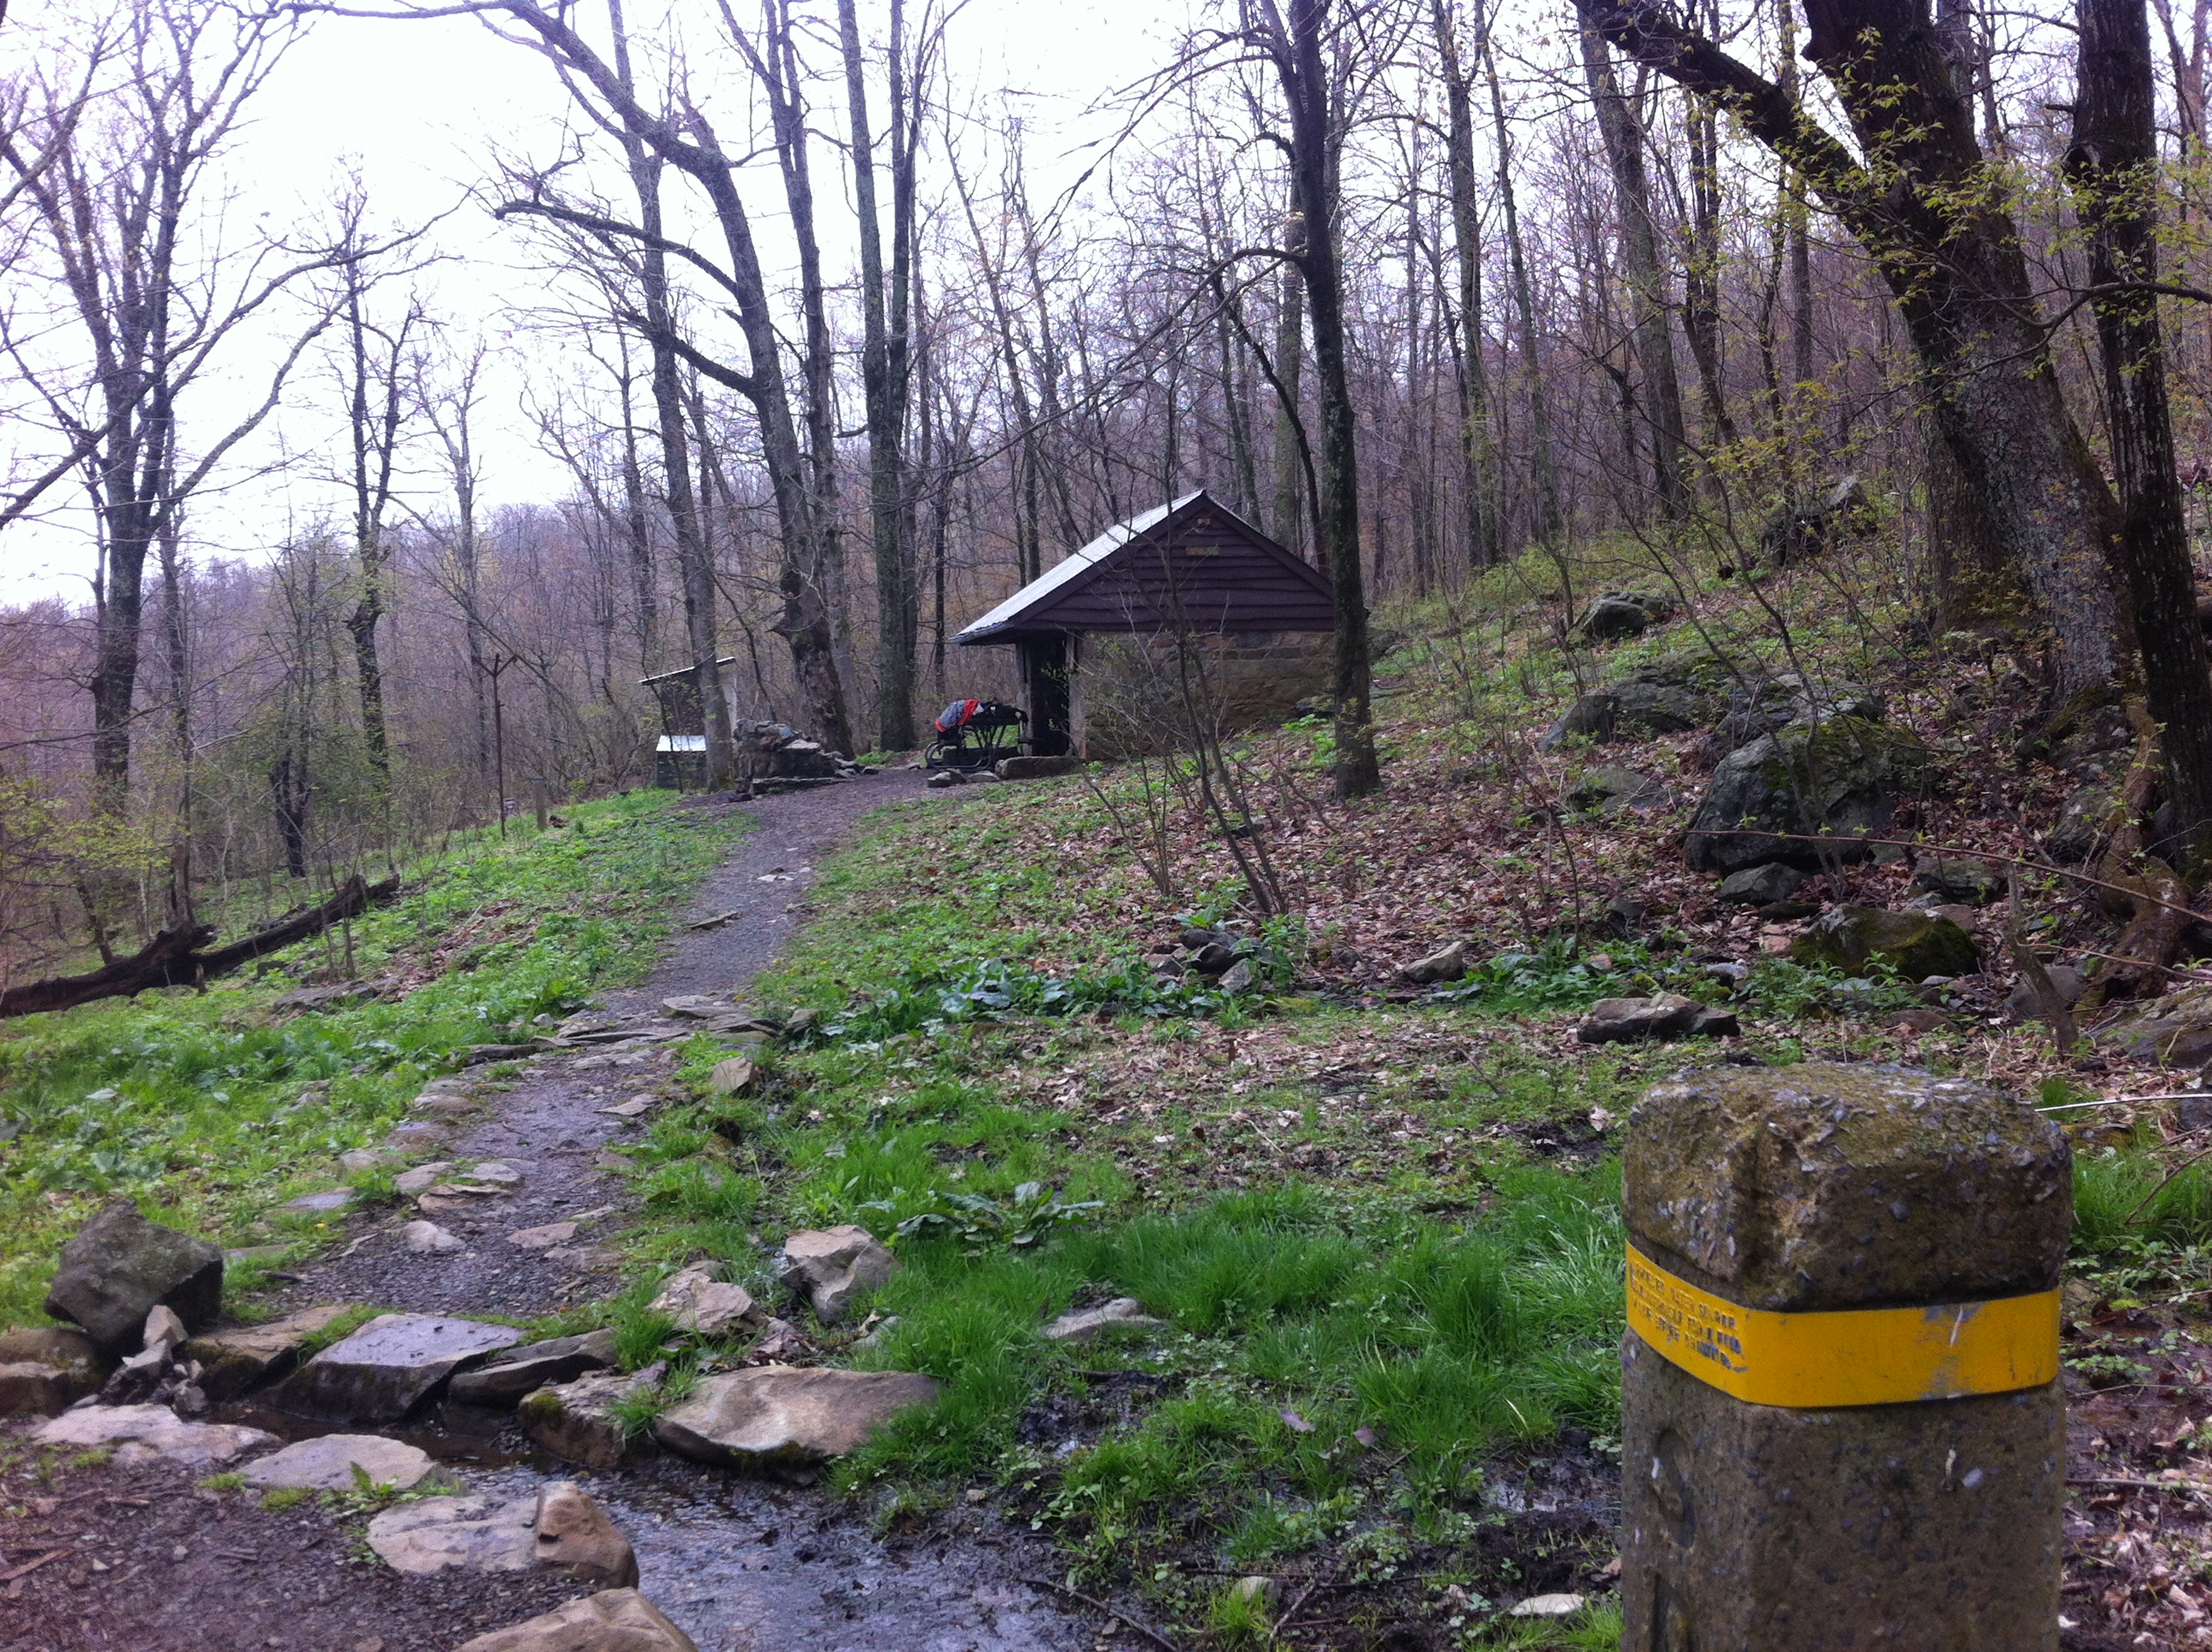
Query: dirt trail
(741, 1564)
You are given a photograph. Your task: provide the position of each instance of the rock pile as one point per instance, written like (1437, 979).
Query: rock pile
(1223, 957)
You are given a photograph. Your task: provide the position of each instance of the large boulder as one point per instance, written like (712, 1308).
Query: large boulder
(781, 1417)
(1970, 883)
(614, 1620)
(831, 1267)
(2174, 1031)
(389, 1366)
(1837, 779)
(118, 1266)
(1916, 944)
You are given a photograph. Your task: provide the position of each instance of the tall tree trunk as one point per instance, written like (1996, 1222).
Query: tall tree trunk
(886, 411)
(2113, 167)
(1313, 137)
(1701, 273)
(1287, 517)
(1622, 128)
(695, 571)
(1478, 442)
(1549, 523)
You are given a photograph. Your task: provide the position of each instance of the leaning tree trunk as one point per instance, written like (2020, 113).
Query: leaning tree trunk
(1930, 214)
(2113, 167)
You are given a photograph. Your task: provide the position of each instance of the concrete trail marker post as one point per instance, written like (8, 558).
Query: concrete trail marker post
(1844, 1425)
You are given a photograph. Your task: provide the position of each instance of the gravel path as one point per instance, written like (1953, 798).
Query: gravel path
(550, 1124)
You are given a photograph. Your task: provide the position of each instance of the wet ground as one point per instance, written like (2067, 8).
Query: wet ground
(143, 1557)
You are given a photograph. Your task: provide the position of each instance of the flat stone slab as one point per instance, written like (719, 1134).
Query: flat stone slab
(156, 1428)
(327, 1464)
(388, 1367)
(480, 1534)
(423, 1177)
(613, 1620)
(1086, 1324)
(544, 1238)
(511, 1374)
(785, 1417)
(425, 1238)
(323, 1204)
(233, 1362)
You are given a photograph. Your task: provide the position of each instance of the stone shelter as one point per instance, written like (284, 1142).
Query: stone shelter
(1186, 610)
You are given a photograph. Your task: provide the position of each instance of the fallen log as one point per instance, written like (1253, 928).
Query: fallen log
(174, 957)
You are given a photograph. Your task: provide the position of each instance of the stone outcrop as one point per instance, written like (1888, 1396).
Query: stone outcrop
(832, 1266)
(2174, 1031)
(1612, 615)
(43, 1372)
(118, 1265)
(389, 1366)
(1837, 781)
(1916, 945)
(1671, 697)
(781, 1417)
(514, 1372)
(615, 1620)
(232, 1362)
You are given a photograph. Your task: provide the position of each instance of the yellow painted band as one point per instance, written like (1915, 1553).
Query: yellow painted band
(1853, 1357)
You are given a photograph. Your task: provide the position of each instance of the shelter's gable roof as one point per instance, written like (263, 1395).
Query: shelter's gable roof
(1213, 570)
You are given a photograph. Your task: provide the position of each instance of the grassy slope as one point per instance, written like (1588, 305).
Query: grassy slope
(1381, 1274)
(211, 1111)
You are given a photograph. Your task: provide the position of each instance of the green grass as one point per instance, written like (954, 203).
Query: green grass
(210, 1112)
(1339, 1360)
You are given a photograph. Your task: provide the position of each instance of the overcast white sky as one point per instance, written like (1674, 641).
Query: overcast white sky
(418, 107)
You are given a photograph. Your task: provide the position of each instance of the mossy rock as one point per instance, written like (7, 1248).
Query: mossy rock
(1838, 781)
(1916, 945)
